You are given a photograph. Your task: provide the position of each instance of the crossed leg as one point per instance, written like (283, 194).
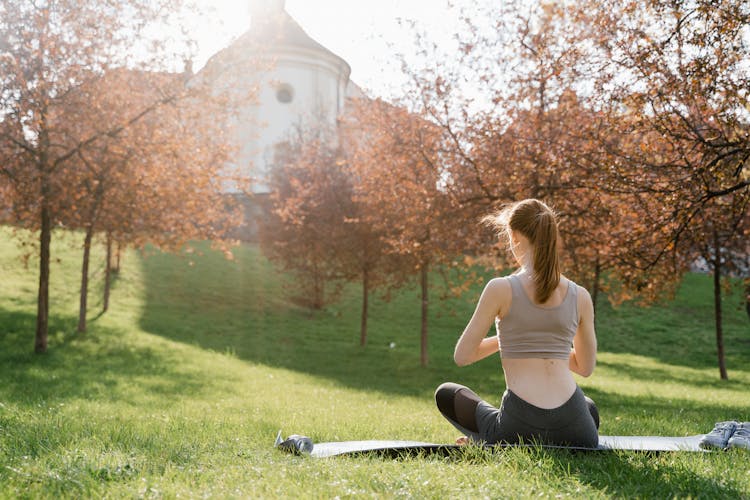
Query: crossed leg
(458, 404)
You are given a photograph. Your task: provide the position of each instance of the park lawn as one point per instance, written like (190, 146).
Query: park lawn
(180, 388)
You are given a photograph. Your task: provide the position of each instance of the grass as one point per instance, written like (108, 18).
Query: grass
(181, 387)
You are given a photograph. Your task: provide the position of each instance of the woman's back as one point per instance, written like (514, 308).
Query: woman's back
(535, 342)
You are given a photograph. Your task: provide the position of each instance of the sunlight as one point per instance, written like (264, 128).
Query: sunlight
(366, 34)
(216, 24)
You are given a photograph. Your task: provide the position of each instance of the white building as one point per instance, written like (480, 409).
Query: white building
(298, 81)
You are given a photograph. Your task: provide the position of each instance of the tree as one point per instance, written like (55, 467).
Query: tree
(671, 87)
(307, 206)
(400, 185)
(48, 51)
(723, 246)
(314, 227)
(160, 180)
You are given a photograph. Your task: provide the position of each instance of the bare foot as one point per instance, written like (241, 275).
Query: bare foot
(462, 441)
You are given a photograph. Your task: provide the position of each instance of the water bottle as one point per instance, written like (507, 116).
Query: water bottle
(295, 444)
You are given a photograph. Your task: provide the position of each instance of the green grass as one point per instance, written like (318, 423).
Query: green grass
(180, 388)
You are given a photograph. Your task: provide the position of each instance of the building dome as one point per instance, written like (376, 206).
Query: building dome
(273, 32)
(277, 30)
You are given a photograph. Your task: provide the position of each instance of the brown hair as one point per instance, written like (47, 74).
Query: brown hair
(537, 222)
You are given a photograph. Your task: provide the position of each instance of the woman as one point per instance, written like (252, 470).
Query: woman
(545, 331)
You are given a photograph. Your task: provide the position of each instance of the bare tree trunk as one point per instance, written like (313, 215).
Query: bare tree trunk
(107, 273)
(45, 240)
(85, 280)
(318, 288)
(117, 259)
(365, 297)
(595, 286)
(717, 306)
(423, 358)
(42, 313)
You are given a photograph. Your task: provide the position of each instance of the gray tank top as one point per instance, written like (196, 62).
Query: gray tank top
(532, 331)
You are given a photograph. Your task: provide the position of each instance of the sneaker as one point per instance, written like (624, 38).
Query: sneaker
(719, 437)
(741, 437)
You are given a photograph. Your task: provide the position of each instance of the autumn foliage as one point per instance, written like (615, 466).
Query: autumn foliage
(316, 227)
(96, 135)
(304, 227)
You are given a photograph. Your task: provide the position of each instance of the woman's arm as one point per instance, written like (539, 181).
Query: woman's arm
(474, 344)
(583, 356)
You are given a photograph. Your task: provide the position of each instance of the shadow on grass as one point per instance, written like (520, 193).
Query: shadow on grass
(91, 366)
(240, 307)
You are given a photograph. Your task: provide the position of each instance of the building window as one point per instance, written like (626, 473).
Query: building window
(284, 93)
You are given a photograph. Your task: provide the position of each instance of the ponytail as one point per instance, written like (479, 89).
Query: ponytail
(546, 259)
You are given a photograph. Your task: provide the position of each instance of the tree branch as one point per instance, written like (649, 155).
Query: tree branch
(114, 132)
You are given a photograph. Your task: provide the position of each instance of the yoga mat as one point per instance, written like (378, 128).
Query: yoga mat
(606, 443)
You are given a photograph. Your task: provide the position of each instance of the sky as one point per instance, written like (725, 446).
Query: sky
(365, 33)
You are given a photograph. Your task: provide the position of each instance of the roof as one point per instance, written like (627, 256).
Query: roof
(282, 29)
(272, 33)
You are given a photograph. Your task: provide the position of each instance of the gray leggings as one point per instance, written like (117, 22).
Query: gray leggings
(575, 423)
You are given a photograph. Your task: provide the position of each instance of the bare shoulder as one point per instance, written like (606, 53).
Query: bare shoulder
(583, 293)
(585, 304)
(499, 286)
(502, 281)
(500, 292)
